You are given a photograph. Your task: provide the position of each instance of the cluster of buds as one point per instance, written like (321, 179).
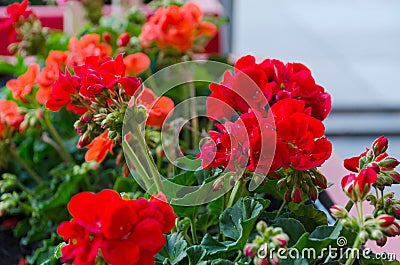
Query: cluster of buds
(374, 228)
(377, 159)
(301, 183)
(386, 205)
(264, 248)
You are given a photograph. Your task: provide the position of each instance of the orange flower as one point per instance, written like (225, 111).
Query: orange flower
(176, 27)
(10, 115)
(22, 86)
(99, 148)
(136, 63)
(55, 63)
(158, 109)
(87, 45)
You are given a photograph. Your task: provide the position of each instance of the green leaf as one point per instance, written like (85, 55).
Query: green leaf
(173, 251)
(123, 184)
(310, 217)
(292, 227)
(195, 254)
(236, 223)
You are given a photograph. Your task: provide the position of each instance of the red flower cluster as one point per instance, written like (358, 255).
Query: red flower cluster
(254, 85)
(378, 159)
(98, 148)
(10, 116)
(95, 78)
(246, 143)
(358, 187)
(127, 232)
(298, 106)
(176, 27)
(301, 142)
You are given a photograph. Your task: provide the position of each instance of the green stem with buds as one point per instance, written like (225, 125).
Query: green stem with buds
(66, 155)
(28, 169)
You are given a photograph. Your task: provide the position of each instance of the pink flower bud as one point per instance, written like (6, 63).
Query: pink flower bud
(283, 239)
(107, 37)
(380, 145)
(389, 162)
(123, 39)
(385, 220)
(392, 230)
(250, 250)
(395, 176)
(338, 211)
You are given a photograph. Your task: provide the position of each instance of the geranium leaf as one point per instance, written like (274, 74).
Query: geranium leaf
(195, 254)
(236, 223)
(173, 251)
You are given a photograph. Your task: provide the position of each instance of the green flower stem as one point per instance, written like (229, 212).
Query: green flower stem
(193, 229)
(153, 169)
(136, 162)
(235, 192)
(357, 245)
(28, 169)
(281, 209)
(193, 113)
(66, 155)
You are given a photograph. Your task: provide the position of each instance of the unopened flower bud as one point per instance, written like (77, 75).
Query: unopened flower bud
(84, 139)
(376, 235)
(261, 227)
(282, 183)
(297, 195)
(364, 236)
(321, 180)
(382, 241)
(250, 250)
(288, 196)
(313, 193)
(275, 259)
(395, 176)
(123, 39)
(389, 162)
(282, 239)
(392, 230)
(86, 117)
(339, 212)
(385, 220)
(107, 37)
(380, 145)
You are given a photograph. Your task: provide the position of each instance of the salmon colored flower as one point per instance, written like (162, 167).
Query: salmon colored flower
(10, 116)
(176, 27)
(136, 63)
(87, 45)
(158, 109)
(99, 147)
(23, 85)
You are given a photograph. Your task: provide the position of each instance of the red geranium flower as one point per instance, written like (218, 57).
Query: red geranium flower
(176, 27)
(270, 82)
(66, 87)
(128, 232)
(303, 135)
(358, 186)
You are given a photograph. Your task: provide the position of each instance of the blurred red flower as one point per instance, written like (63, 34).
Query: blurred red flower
(10, 116)
(136, 63)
